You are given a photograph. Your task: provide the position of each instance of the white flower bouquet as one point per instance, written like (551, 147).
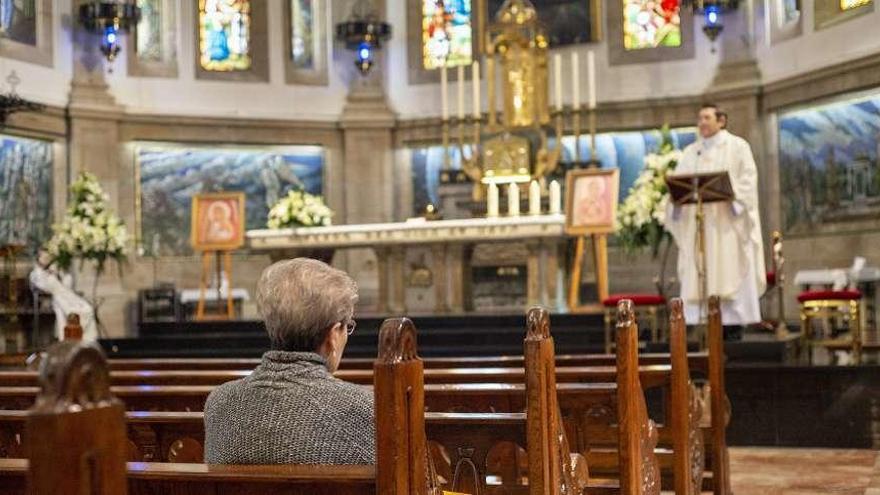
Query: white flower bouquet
(89, 231)
(299, 209)
(640, 218)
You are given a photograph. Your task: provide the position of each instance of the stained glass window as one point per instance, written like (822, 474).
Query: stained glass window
(302, 36)
(790, 11)
(446, 33)
(224, 35)
(18, 21)
(853, 4)
(651, 24)
(149, 31)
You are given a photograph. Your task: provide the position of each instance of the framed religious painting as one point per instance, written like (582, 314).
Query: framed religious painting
(591, 200)
(217, 221)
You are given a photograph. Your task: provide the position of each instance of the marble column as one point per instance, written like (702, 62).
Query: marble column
(441, 288)
(367, 123)
(533, 274)
(94, 148)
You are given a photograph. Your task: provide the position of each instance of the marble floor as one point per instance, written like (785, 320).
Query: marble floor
(780, 471)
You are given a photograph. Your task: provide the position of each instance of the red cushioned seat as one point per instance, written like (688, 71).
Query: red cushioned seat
(771, 279)
(830, 295)
(637, 299)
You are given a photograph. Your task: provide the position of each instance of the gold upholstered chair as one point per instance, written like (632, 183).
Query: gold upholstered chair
(647, 306)
(828, 305)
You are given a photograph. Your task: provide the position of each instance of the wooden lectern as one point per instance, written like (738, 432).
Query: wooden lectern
(699, 189)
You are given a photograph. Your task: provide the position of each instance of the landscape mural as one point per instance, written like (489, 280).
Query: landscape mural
(828, 163)
(171, 174)
(624, 150)
(25, 190)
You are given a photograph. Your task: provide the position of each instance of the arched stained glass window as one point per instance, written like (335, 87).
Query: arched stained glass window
(149, 31)
(853, 4)
(18, 21)
(447, 33)
(224, 35)
(651, 24)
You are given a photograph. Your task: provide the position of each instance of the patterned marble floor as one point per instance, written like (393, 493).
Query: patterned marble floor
(778, 471)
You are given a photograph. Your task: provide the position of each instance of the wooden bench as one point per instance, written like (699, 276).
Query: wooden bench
(591, 433)
(480, 426)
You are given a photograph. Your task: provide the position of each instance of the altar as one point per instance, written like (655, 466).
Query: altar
(451, 243)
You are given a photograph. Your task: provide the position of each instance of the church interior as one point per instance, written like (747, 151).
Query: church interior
(592, 246)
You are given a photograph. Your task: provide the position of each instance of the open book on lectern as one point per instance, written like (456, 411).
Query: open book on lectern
(705, 187)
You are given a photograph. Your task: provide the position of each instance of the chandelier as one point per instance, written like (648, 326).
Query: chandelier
(363, 32)
(110, 20)
(712, 11)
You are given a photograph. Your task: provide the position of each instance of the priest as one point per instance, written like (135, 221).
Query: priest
(734, 247)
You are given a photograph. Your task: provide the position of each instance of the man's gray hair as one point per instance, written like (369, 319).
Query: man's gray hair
(301, 299)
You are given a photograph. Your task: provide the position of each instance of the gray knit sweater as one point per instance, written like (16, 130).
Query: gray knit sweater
(290, 410)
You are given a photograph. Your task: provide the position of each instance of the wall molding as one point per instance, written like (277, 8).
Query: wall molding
(845, 77)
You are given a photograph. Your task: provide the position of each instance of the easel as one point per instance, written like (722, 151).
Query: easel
(598, 234)
(201, 314)
(599, 243)
(699, 189)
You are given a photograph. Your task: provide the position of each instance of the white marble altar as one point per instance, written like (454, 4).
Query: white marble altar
(451, 243)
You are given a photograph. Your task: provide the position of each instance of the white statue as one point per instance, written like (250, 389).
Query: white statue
(64, 300)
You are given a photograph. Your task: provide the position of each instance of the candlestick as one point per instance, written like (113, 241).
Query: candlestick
(555, 198)
(461, 92)
(557, 80)
(513, 200)
(444, 92)
(475, 77)
(492, 201)
(534, 198)
(575, 82)
(591, 80)
(490, 87)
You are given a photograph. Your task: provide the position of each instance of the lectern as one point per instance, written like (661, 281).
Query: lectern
(699, 189)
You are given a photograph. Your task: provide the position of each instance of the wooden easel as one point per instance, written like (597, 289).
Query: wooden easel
(600, 265)
(201, 314)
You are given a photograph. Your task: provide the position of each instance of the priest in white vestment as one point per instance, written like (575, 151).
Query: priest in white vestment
(64, 300)
(734, 245)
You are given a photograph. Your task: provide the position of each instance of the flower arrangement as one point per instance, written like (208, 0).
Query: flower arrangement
(89, 231)
(640, 218)
(299, 209)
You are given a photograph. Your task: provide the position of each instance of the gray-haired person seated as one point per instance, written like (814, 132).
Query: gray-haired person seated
(291, 410)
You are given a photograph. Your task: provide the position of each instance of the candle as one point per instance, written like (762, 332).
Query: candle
(475, 76)
(513, 200)
(591, 80)
(492, 201)
(534, 198)
(461, 92)
(490, 87)
(557, 80)
(444, 92)
(555, 198)
(575, 82)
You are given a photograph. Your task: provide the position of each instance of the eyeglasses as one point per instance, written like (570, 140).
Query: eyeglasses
(350, 325)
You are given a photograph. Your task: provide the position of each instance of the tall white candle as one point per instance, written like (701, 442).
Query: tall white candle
(555, 198)
(513, 200)
(492, 201)
(534, 198)
(461, 92)
(575, 82)
(444, 92)
(475, 76)
(591, 80)
(557, 80)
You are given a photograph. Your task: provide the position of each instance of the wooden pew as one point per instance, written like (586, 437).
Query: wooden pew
(75, 437)
(578, 402)
(697, 361)
(398, 377)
